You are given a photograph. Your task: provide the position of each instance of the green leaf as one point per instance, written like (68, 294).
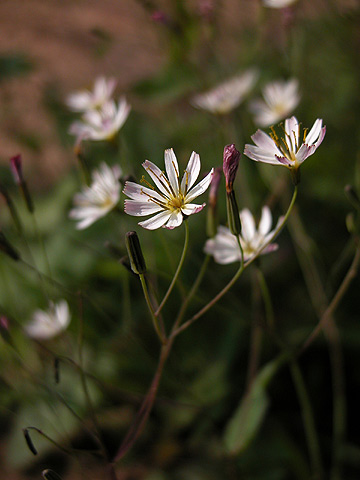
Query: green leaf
(248, 417)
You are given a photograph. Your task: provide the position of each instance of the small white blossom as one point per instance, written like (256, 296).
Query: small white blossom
(99, 198)
(228, 95)
(278, 3)
(103, 123)
(86, 100)
(289, 149)
(280, 99)
(49, 323)
(173, 199)
(225, 248)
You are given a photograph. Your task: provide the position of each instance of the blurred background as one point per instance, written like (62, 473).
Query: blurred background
(162, 53)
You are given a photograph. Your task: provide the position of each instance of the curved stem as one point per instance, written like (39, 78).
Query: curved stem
(182, 258)
(351, 274)
(160, 333)
(242, 267)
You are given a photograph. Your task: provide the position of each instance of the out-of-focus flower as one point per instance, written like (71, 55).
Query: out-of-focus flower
(103, 123)
(173, 199)
(16, 169)
(225, 248)
(231, 159)
(278, 3)
(228, 95)
(86, 100)
(49, 323)
(99, 198)
(280, 99)
(290, 149)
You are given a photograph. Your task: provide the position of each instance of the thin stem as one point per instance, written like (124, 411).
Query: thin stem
(242, 267)
(42, 243)
(154, 319)
(308, 417)
(349, 277)
(182, 258)
(267, 299)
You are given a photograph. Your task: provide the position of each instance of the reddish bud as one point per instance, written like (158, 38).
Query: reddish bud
(230, 165)
(16, 168)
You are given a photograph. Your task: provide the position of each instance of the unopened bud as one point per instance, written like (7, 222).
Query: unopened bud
(6, 247)
(29, 441)
(50, 475)
(16, 168)
(230, 165)
(211, 225)
(352, 196)
(136, 257)
(233, 213)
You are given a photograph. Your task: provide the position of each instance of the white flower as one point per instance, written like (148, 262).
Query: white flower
(280, 99)
(228, 95)
(48, 324)
(288, 149)
(225, 248)
(173, 199)
(101, 124)
(86, 100)
(99, 198)
(278, 3)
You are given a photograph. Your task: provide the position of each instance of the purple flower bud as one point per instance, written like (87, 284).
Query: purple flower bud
(214, 187)
(16, 168)
(4, 323)
(160, 17)
(230, 165)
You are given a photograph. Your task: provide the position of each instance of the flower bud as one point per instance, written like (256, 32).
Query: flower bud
(136, 257)
(29, 441)
(233, 213)
(6, 247)
(230, 165)
(50, 475)
(16, 168)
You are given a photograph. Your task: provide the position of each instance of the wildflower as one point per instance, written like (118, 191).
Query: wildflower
(86, 100)
(99, 198)
(103, 123)
(278, 3)
(280, 99)
(173, 199)
(286, 150)
(225, 248)
(228, 95)
(48, 324)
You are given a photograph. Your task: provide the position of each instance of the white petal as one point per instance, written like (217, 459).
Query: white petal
(156, 222)
(265, 221)
(314, 133)
(191, 173)
(200, 188)
(247, 225)
(224, 248)
(158, 178)
(139, 209)
(192, 208)
(138, 192)
(172, 169)
(175, 220)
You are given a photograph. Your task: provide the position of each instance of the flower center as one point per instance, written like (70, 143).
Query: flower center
(175, 203)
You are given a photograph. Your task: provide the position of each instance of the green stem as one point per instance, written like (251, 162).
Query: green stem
(155, 321)
(182, 258)
(242, 267)
(308, 417)
(266, 298)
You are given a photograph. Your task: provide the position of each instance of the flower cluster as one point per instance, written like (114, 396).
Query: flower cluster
(102, 117)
